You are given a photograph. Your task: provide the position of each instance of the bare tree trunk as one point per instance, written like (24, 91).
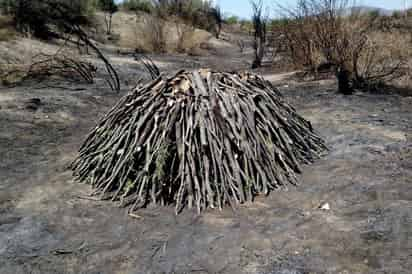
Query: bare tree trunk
(218, 30)
(259, 53)
(344, 76)
(108, 21)
(110, 24)
(259, 24)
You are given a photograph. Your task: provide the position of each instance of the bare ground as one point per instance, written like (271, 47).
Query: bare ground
(47, 224)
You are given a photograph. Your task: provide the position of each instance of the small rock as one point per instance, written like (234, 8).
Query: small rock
(324, 206)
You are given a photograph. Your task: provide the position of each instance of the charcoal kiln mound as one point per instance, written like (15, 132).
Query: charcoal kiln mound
(197, 139)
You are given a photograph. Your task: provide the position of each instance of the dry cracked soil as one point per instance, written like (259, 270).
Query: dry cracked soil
(352, 212)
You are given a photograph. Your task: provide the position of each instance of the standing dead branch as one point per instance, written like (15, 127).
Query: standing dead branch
(259, 21)
(69, 26)
(149, 65)
(241, 44)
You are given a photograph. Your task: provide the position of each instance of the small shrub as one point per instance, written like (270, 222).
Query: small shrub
(137, 6)
(397, 14)
(197, 13)
(374, 13)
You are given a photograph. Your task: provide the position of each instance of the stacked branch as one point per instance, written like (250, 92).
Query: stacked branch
(200, 139)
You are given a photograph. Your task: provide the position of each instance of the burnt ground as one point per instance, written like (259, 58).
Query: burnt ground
(47, 224)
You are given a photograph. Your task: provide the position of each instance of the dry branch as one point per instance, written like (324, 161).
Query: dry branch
(199, 139)
(60, 65)
(113, 80)
(149, 65)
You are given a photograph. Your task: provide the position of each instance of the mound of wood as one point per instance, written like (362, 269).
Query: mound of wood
(200, 139)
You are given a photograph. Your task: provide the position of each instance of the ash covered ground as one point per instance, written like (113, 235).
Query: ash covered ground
(47, 225)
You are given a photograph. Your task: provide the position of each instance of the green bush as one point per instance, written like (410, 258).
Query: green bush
(374, 13)
(232, 20)
(397, 14)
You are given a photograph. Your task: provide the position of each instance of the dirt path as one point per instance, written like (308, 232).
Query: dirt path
(47, 226)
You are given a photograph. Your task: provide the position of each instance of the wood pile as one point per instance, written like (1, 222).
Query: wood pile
(199, 139)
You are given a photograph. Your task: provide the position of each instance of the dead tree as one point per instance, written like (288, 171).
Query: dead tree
(149, 65)
(109, 8)
(260, 27)
(216, 14)
(323, 29)
(241, 44)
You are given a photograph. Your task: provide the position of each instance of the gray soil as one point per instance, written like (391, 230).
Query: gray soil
(48, 225)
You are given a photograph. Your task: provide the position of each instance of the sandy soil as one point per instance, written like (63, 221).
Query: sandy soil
(47, 224)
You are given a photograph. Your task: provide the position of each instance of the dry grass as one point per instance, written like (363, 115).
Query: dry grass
(363, 55)
(148, 34)
(384, 51)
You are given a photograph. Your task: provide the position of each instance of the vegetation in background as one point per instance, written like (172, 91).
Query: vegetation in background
(6, 6)
(182, 17)
(154, 30)
(137, 6)
(196, 13)
(37, 18)
(246, 26)
(232, 20)
(322, 33)
(109, 8)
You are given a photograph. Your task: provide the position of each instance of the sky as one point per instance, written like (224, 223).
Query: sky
(242, 7)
